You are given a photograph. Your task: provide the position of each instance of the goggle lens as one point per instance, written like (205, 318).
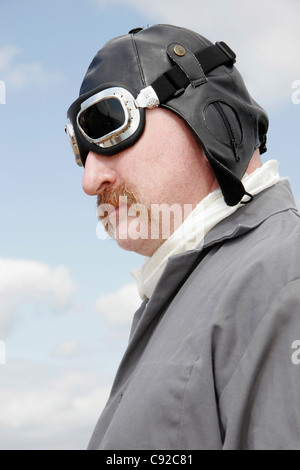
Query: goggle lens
(105, 121)
(102, 118)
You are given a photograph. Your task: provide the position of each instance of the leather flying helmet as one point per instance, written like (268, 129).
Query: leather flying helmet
(180, 70)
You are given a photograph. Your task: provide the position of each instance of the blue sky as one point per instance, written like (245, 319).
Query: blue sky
(66, 297)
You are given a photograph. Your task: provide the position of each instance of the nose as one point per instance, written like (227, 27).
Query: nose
(98, 174)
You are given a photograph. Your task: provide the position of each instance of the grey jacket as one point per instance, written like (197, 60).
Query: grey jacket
(209, 361)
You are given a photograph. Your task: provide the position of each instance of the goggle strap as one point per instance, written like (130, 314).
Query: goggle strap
(175, 80)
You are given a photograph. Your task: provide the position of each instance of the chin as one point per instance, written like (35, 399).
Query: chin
(139, 246)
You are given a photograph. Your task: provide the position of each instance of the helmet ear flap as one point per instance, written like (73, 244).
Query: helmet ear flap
(224, 124)
(262, 132)
(232, 188)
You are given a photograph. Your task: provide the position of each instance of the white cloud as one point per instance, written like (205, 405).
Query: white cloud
(41, 410)
(119, 307)
(265, 35)
(18, 74)
(26, 281)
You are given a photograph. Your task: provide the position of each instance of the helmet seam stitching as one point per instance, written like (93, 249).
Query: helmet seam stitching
(137, 57)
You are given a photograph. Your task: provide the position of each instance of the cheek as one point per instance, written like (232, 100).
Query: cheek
(158, 166)
(159, 179)
(142, 171)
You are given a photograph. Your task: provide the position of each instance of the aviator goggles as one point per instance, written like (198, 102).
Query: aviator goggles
(107, 121)
(110, 119)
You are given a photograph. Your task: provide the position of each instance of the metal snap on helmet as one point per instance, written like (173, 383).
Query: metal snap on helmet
(177, 69)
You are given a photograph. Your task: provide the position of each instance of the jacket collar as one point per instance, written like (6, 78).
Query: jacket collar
(276, 199)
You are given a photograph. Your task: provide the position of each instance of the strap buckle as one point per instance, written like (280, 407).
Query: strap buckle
(226, 49)
(147, 98)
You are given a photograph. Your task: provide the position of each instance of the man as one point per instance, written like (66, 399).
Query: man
(164, 120)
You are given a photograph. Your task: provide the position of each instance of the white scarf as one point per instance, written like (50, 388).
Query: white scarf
(208, 213)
